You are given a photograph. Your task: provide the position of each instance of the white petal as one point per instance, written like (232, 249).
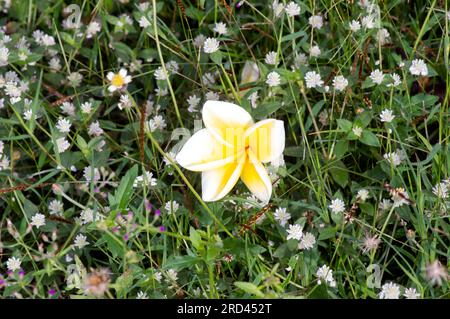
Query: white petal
(110, 76)
(255, 177)
(223, 119)
(217, 183)
(266, 139)
(202, 152)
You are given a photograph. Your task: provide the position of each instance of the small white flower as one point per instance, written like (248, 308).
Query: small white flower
(441, 190)
(199, 40)
(118, 80)
(340, 83)
(212, 96)
(172, 275)
(292, 9)
(4, 54)
(385, 205)
(80, 241)
(295, 232)
(95, 129)
(377, 76)
(143, 22)
(418, 67)
(211, 45)
(55, 207)
(54, 64)
(393, 158)
(271, 58)
(396, 80)
(75, 79)
(313, 79)
(253, 98)
(307, 242)
(357, 130)
(383, 36)
(157, 122)
(278, 8)
(124, 102)
(63, 125)
(92, 29)
(368, 22)
(145, 179)
(316, 22)
(38, 220)
(314, 51)
(324, 273)
(62, 145)
(273, 79)
(387, 116)
(355, 26)
(282, 216)
(172, 207)
(160, 74)
(337, 206)
(362, 195)
(220, 28)
(411, 293)
(86, 108)
(389, 291)
(157, 276)
(141, 295)
(193, 102)
(13, 263)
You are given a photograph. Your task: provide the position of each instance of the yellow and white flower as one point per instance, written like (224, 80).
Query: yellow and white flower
(118, 80)
(232, 146)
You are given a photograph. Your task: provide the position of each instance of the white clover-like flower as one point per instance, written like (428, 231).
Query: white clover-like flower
(316, 22)
(411, 293)
(95, 129)
(157, 123)
(118, 80)
(75, 79)
(368, 22)
(80, 241)
(278, 8)
(340, 83)
(4, 55)
(55, 207)
(13, 263)
(273, 79)
(387, 116)
(383, 36)
(325, 274)
(355, 26)
(393, 158)
(357, 130)
(441, 190)
(282, 216)
(220, 28)
(418, 67)
(199, 40)
(86, 107)
(171, 207)
(193, 102)
(146, 179)
(292, 9)
(141, 295)
(160, 74)
(38, 220)
(253, 99)
(172, 275)
(295, 232)
(211, 45)
(92, 29)
(389, 290)
(307, 241)
(62, 144)
(396, 80)
(271, 58)
(377, 76)
(313, 79)
(63, 125)
(362, 195)
(314, 51)
(143, 22)
(337, 206)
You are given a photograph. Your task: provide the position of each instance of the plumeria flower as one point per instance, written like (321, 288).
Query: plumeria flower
(118, 80)
(232, 146)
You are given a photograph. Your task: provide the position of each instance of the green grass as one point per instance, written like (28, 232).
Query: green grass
(205, 243)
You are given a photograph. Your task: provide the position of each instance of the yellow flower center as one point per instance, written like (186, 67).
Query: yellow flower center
(117, 80)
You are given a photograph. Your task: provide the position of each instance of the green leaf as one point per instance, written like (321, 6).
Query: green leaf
(369, 138)
(339, 173)
(125, 190)
(326, 233)
(249, 288)
(216, 57)
(195, 238)
(181, 262)
(344, 125)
